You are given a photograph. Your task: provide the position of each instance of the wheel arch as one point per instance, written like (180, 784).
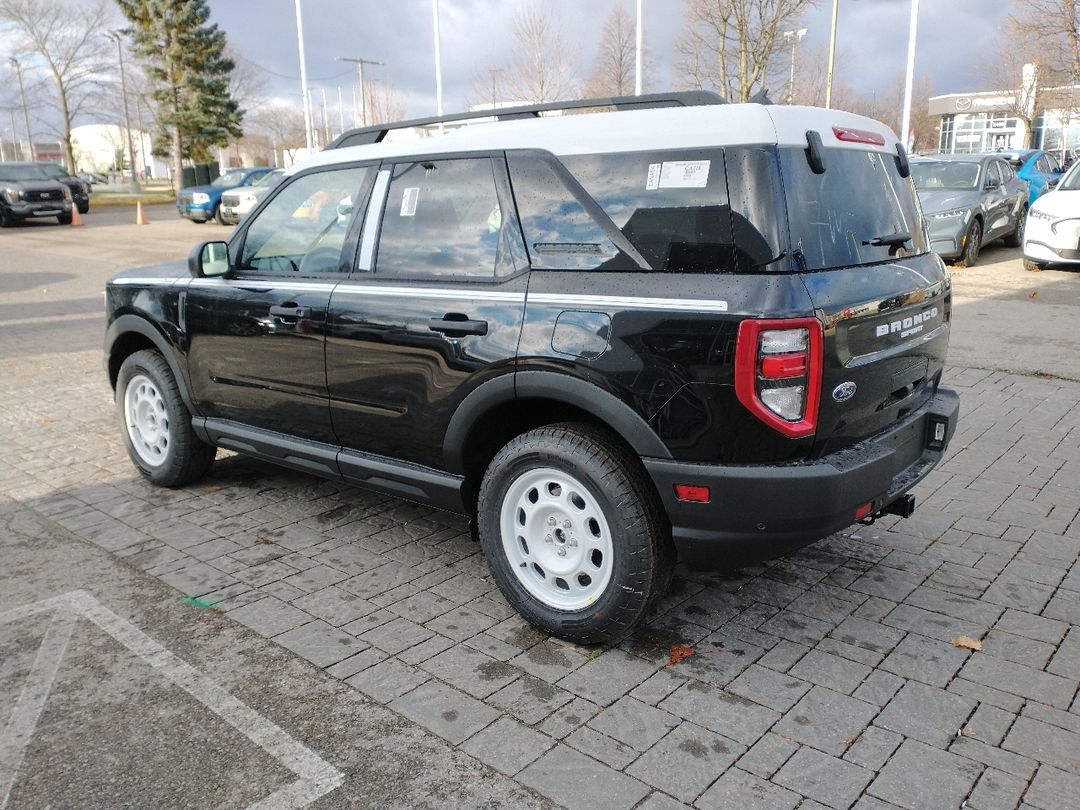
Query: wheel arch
(129, 334)
(506, 406)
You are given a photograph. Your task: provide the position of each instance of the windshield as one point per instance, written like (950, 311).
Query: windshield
(860, 211)
(1071, 180)
(20, 173)
(270, 179)
(54, 170)
(951, 175)
(229, 180)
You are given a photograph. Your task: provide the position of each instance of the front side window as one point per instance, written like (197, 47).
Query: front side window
(443, 218)
(303, 228)
(859, 211)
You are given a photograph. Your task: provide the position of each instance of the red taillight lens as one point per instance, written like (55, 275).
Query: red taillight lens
(691, 493)
(858, 136)
(778, 372)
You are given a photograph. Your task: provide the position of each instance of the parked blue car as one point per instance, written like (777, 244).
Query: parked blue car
(1035, 166)
(203, 203)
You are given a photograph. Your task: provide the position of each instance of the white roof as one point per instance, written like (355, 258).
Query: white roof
(628, 131)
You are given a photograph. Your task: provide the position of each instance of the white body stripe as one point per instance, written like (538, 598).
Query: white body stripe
(628, 302)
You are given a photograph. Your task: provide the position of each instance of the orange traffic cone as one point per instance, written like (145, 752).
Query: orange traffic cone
(140, 215)
(76, 220)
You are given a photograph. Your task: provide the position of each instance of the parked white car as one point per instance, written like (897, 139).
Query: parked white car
(1053, 225)
(238, 202)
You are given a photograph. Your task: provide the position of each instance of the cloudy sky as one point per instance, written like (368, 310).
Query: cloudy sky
(955, 39)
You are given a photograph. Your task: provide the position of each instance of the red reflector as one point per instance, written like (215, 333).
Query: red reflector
(778, 366)
(864, 510)
(686, 492)
(858, 136)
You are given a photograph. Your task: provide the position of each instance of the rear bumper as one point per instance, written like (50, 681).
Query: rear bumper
(761, 511)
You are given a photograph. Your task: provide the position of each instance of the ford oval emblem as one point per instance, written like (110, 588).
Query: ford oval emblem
(844, 391)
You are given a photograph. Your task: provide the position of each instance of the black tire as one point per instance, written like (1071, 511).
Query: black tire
(1034, 267)
(972, 245)
(217, 215)
(64, 219)
(6, 220)
(199, 221)
(1016, 238)
(84, 208)
(186, 457)
(643, 555)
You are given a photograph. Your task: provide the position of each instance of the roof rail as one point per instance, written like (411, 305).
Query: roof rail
(375, 134)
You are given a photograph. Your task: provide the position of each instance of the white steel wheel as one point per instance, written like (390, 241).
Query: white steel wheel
(556, 539)
(147, 420)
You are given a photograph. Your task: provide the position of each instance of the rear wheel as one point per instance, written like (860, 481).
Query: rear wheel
(972, 245)
(156, 424)
(1016, 238)
(1034, 267)
(574, 533)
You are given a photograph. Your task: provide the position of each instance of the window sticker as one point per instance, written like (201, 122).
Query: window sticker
(653, 181)
(408, 201)
(683, 173)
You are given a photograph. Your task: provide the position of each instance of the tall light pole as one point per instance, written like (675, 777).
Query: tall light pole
(360, 62)
(796, 38)
(832, 55)
(494, 96)
(438, 59)
(116, 37)
(909, 79)
(25, 109)
(638, 47)
(309, 128)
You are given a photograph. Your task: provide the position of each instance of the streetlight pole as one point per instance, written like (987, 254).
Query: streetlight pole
(309, 128)
(119, 40)
(796, 38)
(832, 55)
(494, 96)
(360, 62)
(25, 109)
(909, 79)
(438, 59)
(638, 47)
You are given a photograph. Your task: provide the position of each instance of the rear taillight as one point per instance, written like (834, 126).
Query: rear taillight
(778, 372)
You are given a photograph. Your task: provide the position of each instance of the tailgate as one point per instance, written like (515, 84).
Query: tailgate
(886, 335)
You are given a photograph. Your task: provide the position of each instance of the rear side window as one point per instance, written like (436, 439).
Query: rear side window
(854, 213)
(671, 206)
(444, 218)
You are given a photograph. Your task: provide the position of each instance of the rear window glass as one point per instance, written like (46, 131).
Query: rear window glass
(671, 206)
(855, 213)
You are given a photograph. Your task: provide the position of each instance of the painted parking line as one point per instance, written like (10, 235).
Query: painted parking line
(316, 777)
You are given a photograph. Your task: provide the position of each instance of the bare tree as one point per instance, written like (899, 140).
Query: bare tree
(281, 126)
(68, 38)
(1055, 26)
(612, 72)
(383, 103)
(542, 68)
(728, 45)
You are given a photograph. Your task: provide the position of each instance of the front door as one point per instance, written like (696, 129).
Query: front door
(257, 333)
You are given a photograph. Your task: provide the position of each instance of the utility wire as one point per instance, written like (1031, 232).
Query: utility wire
(287, 76)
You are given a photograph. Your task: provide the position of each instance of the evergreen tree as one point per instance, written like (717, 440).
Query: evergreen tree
(185, 61)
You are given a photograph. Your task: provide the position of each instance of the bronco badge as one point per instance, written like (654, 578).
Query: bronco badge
(844, 391)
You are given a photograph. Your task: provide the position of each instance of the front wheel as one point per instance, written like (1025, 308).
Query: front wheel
(156, 424)
(574, 533)
(64, 219)
(972, 245)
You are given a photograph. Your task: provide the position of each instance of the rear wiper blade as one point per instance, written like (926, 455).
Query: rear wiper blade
(892, 240)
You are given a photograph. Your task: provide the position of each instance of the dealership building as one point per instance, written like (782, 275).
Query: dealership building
(986, 121)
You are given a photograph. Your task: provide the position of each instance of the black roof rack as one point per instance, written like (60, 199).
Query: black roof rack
(375, 134)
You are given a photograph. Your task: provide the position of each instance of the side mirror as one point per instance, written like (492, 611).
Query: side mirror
(1052, 183)
(209, 259)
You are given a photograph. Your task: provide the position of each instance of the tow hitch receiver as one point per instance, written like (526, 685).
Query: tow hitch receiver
(903, 506)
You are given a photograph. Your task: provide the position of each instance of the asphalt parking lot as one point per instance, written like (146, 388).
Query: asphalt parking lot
(268, 639)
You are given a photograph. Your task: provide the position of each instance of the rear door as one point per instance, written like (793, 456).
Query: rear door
(432, 311)
(884, 300)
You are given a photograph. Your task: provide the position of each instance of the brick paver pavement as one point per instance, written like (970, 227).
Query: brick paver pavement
(829, 678)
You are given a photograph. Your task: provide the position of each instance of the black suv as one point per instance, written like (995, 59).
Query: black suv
(26, 192)
(79, 188)
(678, 328)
